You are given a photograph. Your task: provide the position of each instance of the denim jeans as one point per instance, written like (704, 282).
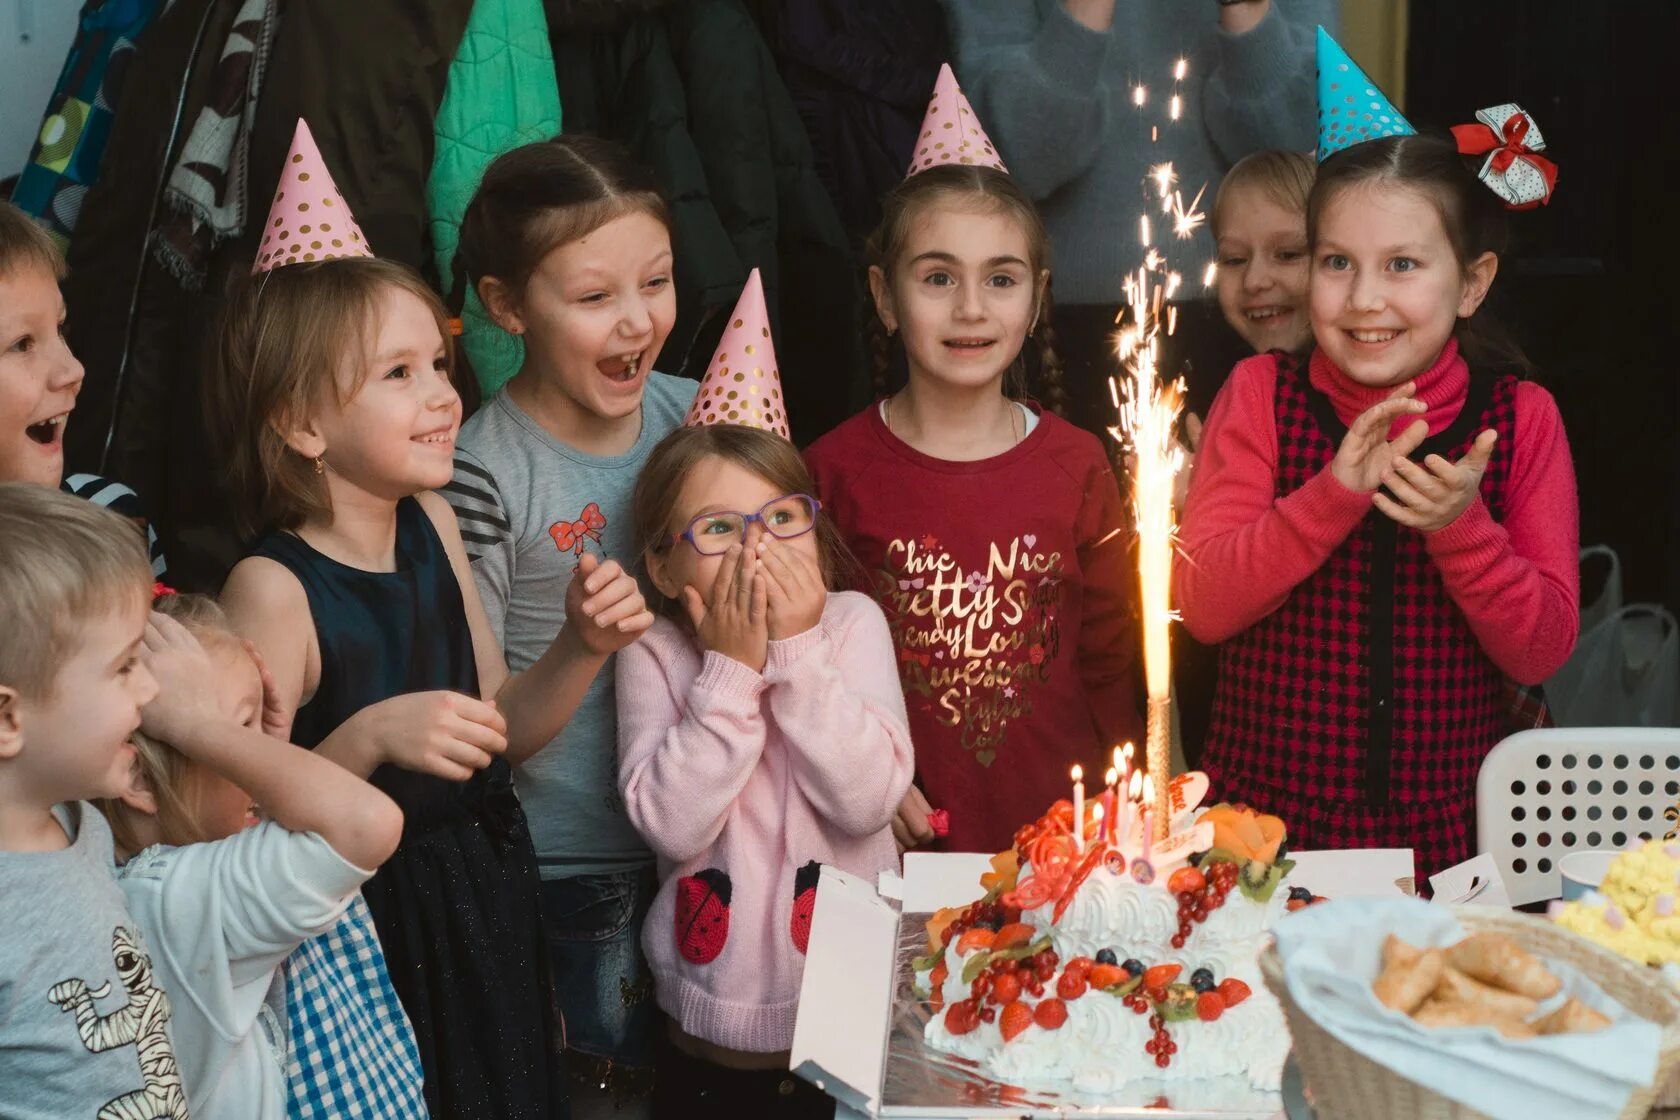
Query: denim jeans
(594, 926)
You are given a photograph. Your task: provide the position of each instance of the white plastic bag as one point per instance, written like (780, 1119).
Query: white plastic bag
(1625, 672)
(1609, 598)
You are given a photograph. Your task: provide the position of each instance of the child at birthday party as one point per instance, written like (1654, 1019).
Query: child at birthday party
(1377, 532)
(569, 246)
(992, 531)
(1259, 223)
(223, 900)
(762, 733)
(332, 394)
(40, 377)
(84, 1021)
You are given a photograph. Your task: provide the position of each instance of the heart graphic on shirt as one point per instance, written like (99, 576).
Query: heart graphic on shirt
(702, 915)
(1030, 540)
(804, 903)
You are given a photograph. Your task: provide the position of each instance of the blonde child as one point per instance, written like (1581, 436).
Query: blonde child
(332, 392)
(1381, 531)
(40, 377)
(84, 1022)
(992, 531)
(225, 899)
(568, 244)
(1259, 224)
(763, 734)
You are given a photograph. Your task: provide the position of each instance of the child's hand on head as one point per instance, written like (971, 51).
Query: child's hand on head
(181, 666)
(795, 591)
(735, 622)
(277, 715)
(1366, 455)
(1431, 496)
(604, 606)
(446, 734)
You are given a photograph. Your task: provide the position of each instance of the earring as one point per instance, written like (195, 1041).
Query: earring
(320, 467)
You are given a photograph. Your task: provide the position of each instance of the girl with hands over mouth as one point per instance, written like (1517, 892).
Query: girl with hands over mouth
(733, 620)
(762, 735)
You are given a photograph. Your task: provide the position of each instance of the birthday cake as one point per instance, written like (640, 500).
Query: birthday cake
(1112, 957)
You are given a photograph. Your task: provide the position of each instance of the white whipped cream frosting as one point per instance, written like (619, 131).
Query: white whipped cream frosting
(1100, 1048)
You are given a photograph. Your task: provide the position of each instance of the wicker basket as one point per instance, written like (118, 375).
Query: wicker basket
(1346, 1085)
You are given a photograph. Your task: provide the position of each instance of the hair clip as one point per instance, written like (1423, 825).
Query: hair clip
(1512, 170)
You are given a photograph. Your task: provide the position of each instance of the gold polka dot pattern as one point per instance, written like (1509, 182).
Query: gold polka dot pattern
(951, 133)
(750, 392)
(293, 233)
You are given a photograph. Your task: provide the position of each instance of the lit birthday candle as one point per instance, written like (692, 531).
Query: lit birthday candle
(1078, 807)
(1149, 826)
(1109, 781)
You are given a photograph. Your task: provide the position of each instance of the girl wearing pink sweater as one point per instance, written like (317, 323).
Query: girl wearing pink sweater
(1377, 532)
(762, 733)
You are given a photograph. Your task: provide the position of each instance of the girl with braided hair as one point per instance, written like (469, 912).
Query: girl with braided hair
(990, 530)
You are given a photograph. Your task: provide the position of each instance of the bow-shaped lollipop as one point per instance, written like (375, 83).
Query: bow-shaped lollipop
(1512, 170)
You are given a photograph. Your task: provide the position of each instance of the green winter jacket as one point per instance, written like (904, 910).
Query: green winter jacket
(501, 94)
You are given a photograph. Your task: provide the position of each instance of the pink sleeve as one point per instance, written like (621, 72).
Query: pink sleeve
(685, 756)
(835, 696)
(1245, 549)
(1518, 583)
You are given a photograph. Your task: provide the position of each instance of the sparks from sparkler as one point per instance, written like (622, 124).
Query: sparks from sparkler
(1148, 409)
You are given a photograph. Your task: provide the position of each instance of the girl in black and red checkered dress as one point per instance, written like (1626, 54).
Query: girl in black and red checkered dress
(1379, 529)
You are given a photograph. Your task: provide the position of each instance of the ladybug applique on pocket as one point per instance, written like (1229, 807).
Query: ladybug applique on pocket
(702, 915)
(804, 903)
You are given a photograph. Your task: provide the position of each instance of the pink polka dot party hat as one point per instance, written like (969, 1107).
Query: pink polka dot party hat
(308, 220)
(951, 133)
(742, 385)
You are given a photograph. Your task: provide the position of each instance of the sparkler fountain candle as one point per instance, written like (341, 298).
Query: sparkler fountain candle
(1149, 411)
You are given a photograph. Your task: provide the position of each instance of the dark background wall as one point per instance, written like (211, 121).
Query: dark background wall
(1592, 289)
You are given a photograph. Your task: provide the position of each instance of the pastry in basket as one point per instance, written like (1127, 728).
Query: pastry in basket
(1485, 980)
(1099, 963)
(1495, 959)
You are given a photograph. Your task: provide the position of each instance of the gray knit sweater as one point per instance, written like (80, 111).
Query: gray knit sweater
(1055, 97)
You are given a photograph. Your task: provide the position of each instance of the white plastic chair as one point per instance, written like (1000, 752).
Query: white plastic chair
(1543, 794)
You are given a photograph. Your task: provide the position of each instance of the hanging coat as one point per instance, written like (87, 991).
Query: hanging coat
(501, 95)
(369, 78)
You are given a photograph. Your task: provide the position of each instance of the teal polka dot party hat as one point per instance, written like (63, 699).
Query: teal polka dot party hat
(1351, 109)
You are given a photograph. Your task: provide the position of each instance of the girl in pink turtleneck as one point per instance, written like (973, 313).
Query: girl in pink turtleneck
(1378, 531)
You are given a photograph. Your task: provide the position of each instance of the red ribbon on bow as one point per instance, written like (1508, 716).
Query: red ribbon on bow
(1508, 145)
(570, 535)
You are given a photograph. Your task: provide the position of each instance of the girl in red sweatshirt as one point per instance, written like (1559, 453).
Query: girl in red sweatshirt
(991, 531)
(1378, 531)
